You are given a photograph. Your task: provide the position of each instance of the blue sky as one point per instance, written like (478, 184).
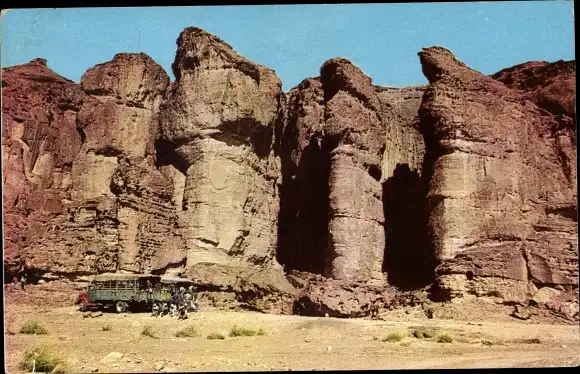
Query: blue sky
(294, 40)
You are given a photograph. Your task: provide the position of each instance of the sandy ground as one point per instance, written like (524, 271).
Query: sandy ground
(290, 342)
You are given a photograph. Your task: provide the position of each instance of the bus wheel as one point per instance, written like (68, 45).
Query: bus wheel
(82, 306)
(121, 307)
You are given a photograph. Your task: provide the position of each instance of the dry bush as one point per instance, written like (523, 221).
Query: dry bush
(33, 328)
(243, 331)
(188, 332)
(148, 331)
(393, 337)
(444, 338)
(40, 359)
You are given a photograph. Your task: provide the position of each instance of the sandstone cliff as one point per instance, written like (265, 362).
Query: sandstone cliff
(500, 192)
(353, 191)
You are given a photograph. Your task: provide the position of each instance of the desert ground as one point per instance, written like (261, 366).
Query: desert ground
(288, 343)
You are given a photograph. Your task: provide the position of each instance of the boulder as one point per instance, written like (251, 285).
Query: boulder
(112, 357)
(545, 295)
(335, 298)
(261, 289)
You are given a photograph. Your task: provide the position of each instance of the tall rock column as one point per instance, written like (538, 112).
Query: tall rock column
(497, 174)
(354, 134)
(115, 181)
(218, 121)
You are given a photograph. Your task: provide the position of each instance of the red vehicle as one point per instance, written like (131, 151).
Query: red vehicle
(83, 302)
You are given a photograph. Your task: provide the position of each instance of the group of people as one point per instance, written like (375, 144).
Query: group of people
(182, 302)
(22, 281)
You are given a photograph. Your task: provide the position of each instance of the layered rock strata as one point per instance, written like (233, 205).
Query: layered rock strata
(468, 182)
(39, 144)
(218, 122)
(497, 175)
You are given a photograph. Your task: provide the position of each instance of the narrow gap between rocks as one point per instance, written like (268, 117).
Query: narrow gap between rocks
(408, 256)
(303, 224)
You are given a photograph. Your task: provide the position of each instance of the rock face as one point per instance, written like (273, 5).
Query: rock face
(408, 261)
(343, 139)
(114, 211)
(320, 296)
(365, 195)
(116, 162)
(218, 122)
(39, 144)
(551, 86)
(353, 130)
(497, 176)
(303, 226)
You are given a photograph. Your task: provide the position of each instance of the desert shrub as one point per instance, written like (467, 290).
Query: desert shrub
(487, 342)
(40, 359)
(188, 332)
(444, 338)
(148, 331)
(107, 327)
(33, 328)
(215, 335)
(243, 331)
(393, 337)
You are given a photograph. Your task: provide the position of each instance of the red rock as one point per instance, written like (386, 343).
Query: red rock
(497, 168)
(223, 177)
(39, 143)
(551, 86)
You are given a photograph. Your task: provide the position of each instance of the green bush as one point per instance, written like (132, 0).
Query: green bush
(33, 328)
(444, 338)
(215, 335)
(41, 360)
(148, 331)
(188, 332)
(107, 327)
(243, 331)
(393, 337)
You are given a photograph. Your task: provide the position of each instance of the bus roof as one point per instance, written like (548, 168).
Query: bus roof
(120, 276)
(170, 279)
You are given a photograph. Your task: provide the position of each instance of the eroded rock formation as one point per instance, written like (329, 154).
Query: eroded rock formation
(365, 194)
(39, 145)
(218, 122)
(345, 141)
(497, 179)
